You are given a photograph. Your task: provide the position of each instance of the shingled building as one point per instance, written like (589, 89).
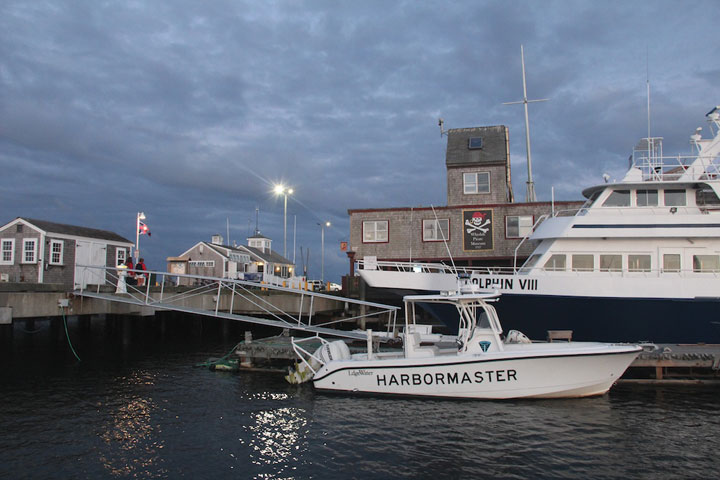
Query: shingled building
(481, 222)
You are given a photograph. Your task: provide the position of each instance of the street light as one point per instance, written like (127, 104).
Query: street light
(282, 190)
(140, 216)
(322, 250)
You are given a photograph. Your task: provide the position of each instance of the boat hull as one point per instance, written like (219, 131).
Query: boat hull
(557, 372)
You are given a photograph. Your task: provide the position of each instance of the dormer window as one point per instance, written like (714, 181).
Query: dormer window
(475, 143)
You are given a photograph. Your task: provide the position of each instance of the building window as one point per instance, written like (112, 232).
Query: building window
(436, 230)
(120, 256)
(201, 263)
(29, 250)
(671, 262)
(675, 198)
(647, 198)
(475, 143)
(706, 263)
(476, 182)
(518, 226)
(583, 262)
(638, 263)
(56, 252)
(618, 198)
(555, 263)
(375, 231)
(610, 263)
(7, 251)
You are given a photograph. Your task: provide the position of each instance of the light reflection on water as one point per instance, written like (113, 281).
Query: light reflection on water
(153, 416)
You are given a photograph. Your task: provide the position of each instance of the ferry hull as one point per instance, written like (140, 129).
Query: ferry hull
(613, 319)
(564, 375)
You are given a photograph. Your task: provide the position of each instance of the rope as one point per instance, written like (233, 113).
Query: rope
(68, 336)
(215, 362)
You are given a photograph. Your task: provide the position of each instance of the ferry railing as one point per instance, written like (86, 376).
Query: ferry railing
(112, 285)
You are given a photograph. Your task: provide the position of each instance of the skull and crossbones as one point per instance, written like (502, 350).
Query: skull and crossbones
(477, 224)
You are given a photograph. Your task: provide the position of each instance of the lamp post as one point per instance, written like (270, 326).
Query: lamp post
(322, 250)
(140, 216)
(282, 190)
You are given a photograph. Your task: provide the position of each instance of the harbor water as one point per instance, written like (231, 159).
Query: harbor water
(135, 407)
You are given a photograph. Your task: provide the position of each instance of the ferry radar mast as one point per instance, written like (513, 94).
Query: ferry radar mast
(530, 196)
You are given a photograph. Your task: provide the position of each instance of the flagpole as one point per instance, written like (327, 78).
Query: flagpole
(140, 216)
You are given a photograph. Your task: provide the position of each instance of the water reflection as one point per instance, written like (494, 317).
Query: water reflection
(132, 444)
(277, 437)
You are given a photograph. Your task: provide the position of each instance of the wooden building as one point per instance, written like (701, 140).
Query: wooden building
(481, 224)
(255, 262)
(39, 251)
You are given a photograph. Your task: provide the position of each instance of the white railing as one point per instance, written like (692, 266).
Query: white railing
(161, 291)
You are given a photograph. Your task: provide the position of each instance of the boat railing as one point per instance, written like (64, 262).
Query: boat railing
(649, 159)
(420, 267)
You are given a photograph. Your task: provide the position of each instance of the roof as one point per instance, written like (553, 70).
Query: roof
(493, 149)
(74, 230)
(268, 257)
(258, 235)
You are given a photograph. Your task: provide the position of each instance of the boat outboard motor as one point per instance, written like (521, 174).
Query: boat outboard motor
(337, 350)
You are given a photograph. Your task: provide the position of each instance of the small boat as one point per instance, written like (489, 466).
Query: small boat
(479, 363)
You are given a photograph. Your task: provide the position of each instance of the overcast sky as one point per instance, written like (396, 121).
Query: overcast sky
(191, 110)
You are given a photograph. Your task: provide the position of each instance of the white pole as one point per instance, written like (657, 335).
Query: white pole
(322, 253)
(285, 228)
(294, 236)
(552, 201)
(137, 238)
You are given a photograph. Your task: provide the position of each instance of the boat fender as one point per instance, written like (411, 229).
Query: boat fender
(515, 336)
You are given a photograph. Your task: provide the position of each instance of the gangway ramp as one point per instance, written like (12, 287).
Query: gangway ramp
(275, 306)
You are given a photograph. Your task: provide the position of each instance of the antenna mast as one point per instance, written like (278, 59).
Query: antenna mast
(530, 196)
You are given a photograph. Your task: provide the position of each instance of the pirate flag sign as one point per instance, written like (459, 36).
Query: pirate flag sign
(477, 230)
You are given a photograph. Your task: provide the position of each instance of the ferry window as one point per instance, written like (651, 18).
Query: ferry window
(647, 198)
(436, 230)
(375, 231)
(583, 263)
(638, 263)
(592, 199)
(706, 196)
(29, 250)
(476, 182)
(675, 198)
(530, 262)
(671, 262)
(518, 226)
(610, 263)
(706, 263)
(618, 198)
(56, 252)
(7, 251)
(555, 263)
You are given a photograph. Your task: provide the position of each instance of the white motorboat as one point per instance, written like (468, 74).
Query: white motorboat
(478, 364)
(639, 261)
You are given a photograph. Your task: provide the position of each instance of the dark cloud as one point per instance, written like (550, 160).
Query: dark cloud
(191, 111)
